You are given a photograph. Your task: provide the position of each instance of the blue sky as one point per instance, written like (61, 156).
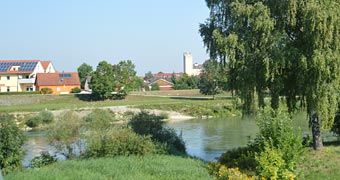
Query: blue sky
(152, 33)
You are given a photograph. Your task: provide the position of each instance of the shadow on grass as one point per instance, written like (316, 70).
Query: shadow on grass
(201, 98)
(332, 143)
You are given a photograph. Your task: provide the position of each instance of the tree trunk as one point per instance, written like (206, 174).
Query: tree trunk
(316, 131)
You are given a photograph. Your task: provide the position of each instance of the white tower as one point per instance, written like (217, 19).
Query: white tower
(188, 66)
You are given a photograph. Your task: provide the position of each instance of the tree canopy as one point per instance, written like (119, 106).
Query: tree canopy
(289, 47)
(84, 70)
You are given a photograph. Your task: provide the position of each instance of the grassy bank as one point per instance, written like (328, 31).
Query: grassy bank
(320, 165)
(133, 167)
(186, 101)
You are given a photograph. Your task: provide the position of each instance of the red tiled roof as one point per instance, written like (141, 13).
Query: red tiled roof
(45, 64)
(54, 79)
(167, 74)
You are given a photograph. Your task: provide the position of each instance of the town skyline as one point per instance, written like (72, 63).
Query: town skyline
(153, 35)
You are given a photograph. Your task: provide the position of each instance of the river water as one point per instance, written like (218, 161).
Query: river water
(206, 139)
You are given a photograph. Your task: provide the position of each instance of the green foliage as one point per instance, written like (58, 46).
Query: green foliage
(185, 82)
(46, 91)
(148, 167)
(221, 172)
(154, 87)
(148, 76)
(149, 124)
(270, 162)
(115, 142)
(125, 76)
(84, 70)
(75, 90)
(210, 79)
(100, 120)
(43, 160)
(44, 117)
(66, 131)
(12, 138)
(275, 150)
(242, 157)
(103, 81)
(336, 126)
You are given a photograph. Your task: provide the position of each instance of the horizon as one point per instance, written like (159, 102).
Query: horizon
(152, 34)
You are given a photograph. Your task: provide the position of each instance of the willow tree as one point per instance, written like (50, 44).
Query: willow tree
(290, 47)
(241, 33)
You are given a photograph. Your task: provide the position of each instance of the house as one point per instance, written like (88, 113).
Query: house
(163, 83)
(60, 83)
(20, 75)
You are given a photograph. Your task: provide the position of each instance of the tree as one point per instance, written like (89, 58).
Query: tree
(290, 47)
(103, 81)
(125, 75)
(209, 80)
(12, 138)
(185, 82)
(84, 70)
(148, 76)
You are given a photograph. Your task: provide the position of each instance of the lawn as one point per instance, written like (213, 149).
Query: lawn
(320, 165)
(133, 167)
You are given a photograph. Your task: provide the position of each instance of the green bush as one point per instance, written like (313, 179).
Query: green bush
(11, 140)
(46, 91)
(150, 124)
(43, 160)
(75, 90)
(116, 142)
(100, 119)
(273, 153)
(45, 117)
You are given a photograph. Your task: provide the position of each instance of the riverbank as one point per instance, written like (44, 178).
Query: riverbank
(131, 167)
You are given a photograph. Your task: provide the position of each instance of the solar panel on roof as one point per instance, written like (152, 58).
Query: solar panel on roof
(65, 75)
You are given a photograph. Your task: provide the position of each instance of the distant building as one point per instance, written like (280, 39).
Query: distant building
(190, 68)
(19, 75)
(60, 83)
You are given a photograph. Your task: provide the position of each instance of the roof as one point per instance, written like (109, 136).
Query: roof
(57, 79)
(164, 75)
(156, 79)
(26, 66)
(45, 64)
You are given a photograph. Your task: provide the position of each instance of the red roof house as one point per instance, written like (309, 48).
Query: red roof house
(60, 83)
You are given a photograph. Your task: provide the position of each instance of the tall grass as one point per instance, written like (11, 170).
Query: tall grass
(134, 167)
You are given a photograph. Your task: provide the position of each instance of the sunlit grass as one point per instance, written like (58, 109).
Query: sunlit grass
(133, 167)
(323, 164)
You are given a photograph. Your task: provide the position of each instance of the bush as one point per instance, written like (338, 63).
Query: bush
(45, 117)
(12, 138)
(46, 91)
(100, 119)
(116, 142)
(76, 90)
(150, 124)
(43, 160)
(274, 152)
(221, 172)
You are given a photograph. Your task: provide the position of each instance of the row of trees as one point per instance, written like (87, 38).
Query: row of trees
(107, 78)
(290, 47)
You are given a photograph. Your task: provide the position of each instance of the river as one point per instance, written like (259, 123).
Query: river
(206, 139)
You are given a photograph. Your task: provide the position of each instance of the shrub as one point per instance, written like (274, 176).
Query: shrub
(273, 153)
(100, 119)
(221, 172)
(75, 90)
(46, 91)
(45, 117)
(150, 124)
(43, 160)
(66, 132)
(116, 142)
(11, 140)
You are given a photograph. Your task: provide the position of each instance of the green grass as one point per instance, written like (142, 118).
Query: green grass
(125, 168)
(323, 164)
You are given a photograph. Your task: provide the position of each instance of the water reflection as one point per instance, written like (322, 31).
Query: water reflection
(209, 138)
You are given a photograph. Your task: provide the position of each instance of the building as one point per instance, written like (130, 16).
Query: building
(60, 83)
(190, 68)
(20, 75)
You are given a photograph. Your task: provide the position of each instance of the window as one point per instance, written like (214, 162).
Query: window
(29, 88)
(8, 77)
(8, 88)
